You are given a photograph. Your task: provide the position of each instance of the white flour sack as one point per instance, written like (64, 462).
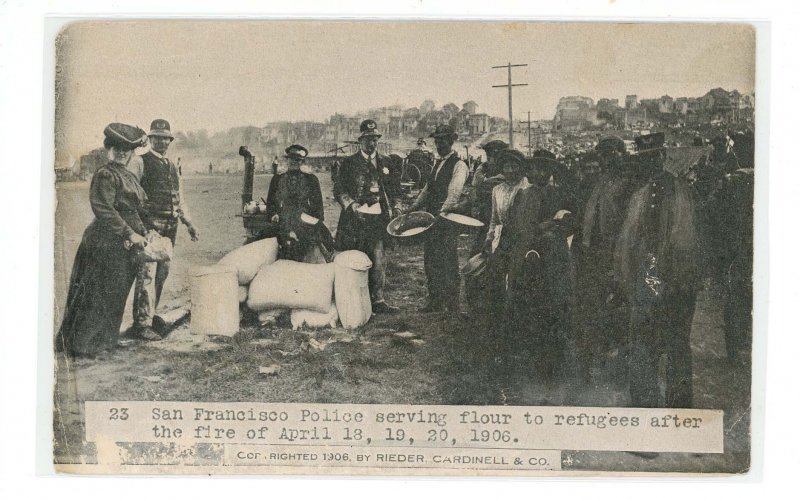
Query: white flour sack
(292, 285)
(248, 259)
(215, 308)
(314, 319)
(352, 288)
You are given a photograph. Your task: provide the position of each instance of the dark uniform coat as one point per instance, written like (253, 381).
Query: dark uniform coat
(357, 180)
(290, 195)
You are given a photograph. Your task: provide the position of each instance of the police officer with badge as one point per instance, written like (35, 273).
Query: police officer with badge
(292, 195)
(165, 207)
(364, 182)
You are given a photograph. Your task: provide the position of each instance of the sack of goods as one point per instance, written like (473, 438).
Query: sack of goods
(215, 301)
(248, 259)
(314, 319)
(352, 288)
(157, 249)
(286, 284)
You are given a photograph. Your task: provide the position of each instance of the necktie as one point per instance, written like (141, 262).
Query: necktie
(436, 168)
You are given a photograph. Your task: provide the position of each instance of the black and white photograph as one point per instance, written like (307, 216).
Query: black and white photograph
(421, 238)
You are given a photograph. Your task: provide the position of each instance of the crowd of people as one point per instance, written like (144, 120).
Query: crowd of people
(605, 258)
(597, 258)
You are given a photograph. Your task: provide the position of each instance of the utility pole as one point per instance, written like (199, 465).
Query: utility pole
(510, 112)
(530, 147)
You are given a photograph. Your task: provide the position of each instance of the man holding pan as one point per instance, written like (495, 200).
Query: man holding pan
(440, 196)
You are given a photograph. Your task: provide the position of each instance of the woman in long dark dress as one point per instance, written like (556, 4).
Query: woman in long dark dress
(104, 271)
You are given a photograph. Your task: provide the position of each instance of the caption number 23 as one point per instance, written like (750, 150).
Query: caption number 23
(118, 414)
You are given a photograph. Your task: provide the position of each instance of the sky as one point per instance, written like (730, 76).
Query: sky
(219, 74)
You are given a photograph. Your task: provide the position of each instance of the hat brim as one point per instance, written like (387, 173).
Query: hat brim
(370, 134)
(452, 136)
(161, 133)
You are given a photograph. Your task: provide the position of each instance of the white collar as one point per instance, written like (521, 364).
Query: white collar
(370, 158)
(448, 155)
(157, 154)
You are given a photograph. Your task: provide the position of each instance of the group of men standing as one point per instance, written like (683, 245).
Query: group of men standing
(366, 185)
(368, 178)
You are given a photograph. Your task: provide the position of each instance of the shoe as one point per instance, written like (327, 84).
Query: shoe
(159, 325)
(384, 308)
(431, 307)
(147, 333)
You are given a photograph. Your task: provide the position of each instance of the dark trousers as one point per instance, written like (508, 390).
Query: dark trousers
(739, 306)
(441, 266)
(661, 326)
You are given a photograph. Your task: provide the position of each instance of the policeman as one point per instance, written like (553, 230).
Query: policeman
(166, 207)
(292, 194)
(658, 259)
(364, 180)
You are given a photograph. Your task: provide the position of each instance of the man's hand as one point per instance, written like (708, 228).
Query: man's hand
(354, 207)
(275, 218)
(137, 239)
(193, 233)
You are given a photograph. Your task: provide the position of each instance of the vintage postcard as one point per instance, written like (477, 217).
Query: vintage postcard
(403, 248)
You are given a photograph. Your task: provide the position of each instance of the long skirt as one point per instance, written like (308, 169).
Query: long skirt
(102, 276)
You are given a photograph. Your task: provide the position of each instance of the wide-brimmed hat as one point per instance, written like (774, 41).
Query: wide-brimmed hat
(369, 128)
(160, 128)
(444, 131)
(512, 157)
(494, 146)
(123, 136)
(545, 158)
(296, 151)
(649, 142)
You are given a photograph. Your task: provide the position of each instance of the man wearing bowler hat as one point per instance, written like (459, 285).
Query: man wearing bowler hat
(165, 207)
(363, 180)
(441, 195)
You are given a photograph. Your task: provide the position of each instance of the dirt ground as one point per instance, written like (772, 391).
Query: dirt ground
(446, 366)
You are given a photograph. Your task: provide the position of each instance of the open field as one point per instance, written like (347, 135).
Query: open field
(366, 366)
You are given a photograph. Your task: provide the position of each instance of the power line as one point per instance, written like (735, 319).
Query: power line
(510, 111)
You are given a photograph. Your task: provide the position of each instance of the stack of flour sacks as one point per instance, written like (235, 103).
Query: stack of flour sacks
(317, 295)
